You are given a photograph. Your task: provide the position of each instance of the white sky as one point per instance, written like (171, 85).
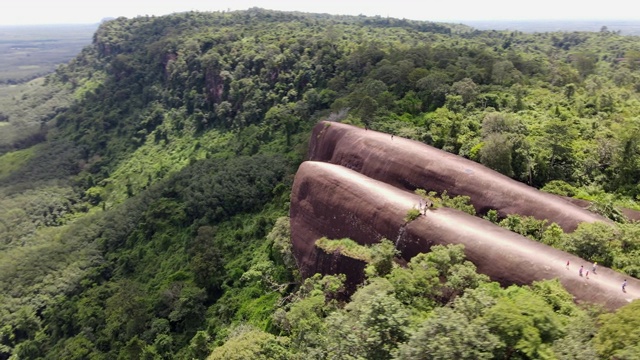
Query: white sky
(14, 12)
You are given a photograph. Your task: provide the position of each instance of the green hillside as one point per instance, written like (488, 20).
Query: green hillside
(144, 188)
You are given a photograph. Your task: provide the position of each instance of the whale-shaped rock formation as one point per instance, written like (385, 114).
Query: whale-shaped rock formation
(408, 164)
(336, 202)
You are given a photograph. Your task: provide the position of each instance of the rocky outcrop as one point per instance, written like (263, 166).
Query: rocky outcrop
(337, 262)
(336, 202)
(408, 164)
(323, 205)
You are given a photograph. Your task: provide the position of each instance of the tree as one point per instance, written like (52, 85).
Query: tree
(199, 345)
(303, 319)
(462, 277)
(466, 88)
(627, 157)
(434, 87)
(569, 91)
(496, 153)
(591, 241)
(504, 73)
(585, 63)
(206, 261)
(371, 326)
(618, 335)
(576, 344)
(525, 324)
(246, 342)
(125, 312)
(553, 235)
(280, 235)
(132, 350)
(78, 347)
(632, 59)
(505, 147)
(557, 145)
(410, 103)
(448, 334)
(416, 285)
(281, 118)
(444, 127)
(187, 308)
(382, 255)
(527, 226)
(556, 295)
(441, 257)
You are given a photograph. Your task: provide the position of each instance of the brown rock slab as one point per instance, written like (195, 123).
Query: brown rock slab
(336, 202)
(408, 164)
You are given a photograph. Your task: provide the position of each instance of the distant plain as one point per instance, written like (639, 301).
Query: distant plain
(28, 52)
(625, 27)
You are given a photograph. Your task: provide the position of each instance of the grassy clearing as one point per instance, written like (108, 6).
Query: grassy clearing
(155, 160)
(32, 102)
(346, 247)
(12, 161)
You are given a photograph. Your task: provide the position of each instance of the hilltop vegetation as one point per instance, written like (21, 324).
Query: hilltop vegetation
(143, 202)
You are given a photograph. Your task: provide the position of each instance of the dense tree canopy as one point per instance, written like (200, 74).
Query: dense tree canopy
(144, 188)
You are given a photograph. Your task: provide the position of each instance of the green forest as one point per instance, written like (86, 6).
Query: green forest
(145, 187)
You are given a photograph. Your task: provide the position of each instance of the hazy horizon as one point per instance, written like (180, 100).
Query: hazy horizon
(68, 12)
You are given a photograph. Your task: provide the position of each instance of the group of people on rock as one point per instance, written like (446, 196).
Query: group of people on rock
(584, 272)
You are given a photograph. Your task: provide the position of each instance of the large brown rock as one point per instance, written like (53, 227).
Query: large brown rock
(408, 164)
(333, 201)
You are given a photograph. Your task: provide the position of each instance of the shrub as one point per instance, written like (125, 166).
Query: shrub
(412, 214)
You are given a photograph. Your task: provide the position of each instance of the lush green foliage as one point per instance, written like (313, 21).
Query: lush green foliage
(612, 246)
(347, 247)
(144, 187)
(618, 336)
(412, 214)
(481, 320)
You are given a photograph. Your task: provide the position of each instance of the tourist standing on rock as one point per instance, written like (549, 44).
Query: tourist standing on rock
(580, 271)
(595, 265)
(624, 285)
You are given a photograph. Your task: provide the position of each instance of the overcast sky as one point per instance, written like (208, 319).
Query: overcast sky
(13, 12)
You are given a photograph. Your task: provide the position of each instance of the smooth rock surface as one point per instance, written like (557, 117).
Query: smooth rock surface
(336, 202)
(408, 164)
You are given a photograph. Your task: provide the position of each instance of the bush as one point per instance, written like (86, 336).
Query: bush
(412, 214)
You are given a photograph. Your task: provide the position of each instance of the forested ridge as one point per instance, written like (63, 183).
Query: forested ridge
(144, 189)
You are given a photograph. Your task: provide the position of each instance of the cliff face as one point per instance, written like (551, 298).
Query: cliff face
(333, 201)
(325, 201)
(361, 186)
(338, 263)
(408, 164)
